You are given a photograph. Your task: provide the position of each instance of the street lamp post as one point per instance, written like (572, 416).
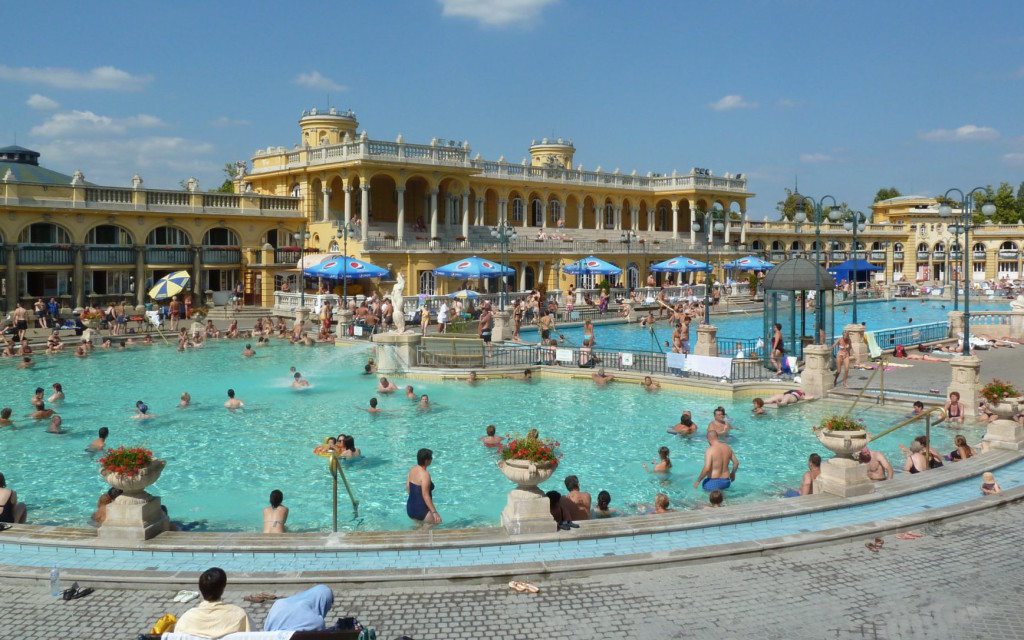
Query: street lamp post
(953, 268)
(505, 234)
(343, 232)
(301, 238)
(710, 226)
(856, 225)
(965, 225)
(820, 213)
(628, 237)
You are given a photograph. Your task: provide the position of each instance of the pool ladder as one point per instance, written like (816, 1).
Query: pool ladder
(337, 469)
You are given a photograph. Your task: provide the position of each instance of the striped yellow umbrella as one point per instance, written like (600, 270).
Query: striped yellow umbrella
(170, 285)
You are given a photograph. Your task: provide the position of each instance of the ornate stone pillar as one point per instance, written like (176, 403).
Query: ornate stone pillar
(675, 221)
(859, 349)
(965, 379)
(327, 205)
(348, 204)
(433, 214)
(197, 272)
(1005, 432)
(728, 226)
(78, 293)
(618, 217)
(481, 211)
(707, 342)
(400, 229)
(543, 214)
(13, 279)
(598, 217)
(364, 210)
(503, 210)
(540, 272)
(579, 215)
(743, 225)
(693, 223)
(465, 216)
(956, 324)
(522, 276)
(140, 275)
(816, 379)
(634, 218)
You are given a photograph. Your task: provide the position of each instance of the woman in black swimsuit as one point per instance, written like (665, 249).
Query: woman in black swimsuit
(11, 511)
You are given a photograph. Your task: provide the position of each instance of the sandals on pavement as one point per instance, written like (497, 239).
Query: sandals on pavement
(523, 587)
(74, 593)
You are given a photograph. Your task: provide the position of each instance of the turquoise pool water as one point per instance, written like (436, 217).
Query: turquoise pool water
(876, 315)
(222, 466)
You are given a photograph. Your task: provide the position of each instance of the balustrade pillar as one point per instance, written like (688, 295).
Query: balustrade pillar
(364, 210)
(400, 230)
(465, 216)
(348, 204)
(433, 215)
(693, 222)
(140, 274)
(675, 221)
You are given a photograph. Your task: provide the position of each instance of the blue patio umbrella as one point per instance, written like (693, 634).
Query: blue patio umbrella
(750, 263)
(344, 268)
(473, 267)
(679, 264)
(852, 269)
(591, 264)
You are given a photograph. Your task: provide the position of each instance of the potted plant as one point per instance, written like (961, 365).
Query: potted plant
(92, 318)
(842, 435)
(529, 460)
(1001, 398)
(131, 469)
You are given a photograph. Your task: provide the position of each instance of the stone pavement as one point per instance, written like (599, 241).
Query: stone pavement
(964, 579)
(1003, 363)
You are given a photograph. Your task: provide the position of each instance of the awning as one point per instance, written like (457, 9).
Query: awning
(312, 259)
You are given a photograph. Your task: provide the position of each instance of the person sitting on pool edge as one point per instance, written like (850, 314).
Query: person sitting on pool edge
(716, 473)
(276, 515)
(213, 618)
(11, 511)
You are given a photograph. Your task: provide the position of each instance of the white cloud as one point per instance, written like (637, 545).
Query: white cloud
(86, 123)
(786, 103)
(42, 103)
(730, 102)
(160, 160)
(813, 158)
(1015, 158)
(496, 13)
(967, 132)
(315, 80)
(225, 121)
(110, 78)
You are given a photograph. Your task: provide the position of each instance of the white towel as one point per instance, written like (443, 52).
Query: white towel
(675, 361)
(241, 635)
(709, 366)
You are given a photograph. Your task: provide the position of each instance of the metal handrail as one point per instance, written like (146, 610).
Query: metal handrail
(881, 367)
(335, 468)
(927, 416)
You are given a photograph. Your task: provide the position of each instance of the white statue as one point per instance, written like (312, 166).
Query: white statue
(1017, 304)
(398, 313)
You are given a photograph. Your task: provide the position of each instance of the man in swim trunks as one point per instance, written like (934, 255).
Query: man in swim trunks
(716, 473)
(546, 324)
(491, 440)
(719, 424)
(232, 402)
(486, 326)
(410, 394)
(601, 378)
(299, 382)
(878, 465)
(100, 442)
(384, 386)
(248, 352)
(813, 471)
(20, 321)
(788, 397)
(685, 427)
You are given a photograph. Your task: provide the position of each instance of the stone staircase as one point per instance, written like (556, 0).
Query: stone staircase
(224, 315)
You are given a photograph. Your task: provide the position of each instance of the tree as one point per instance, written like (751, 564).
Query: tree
(787, 207)
(228, 186)
(1006, 204)
(887, 192)
(1020, 201)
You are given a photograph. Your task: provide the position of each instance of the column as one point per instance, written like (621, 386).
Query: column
(13, 279)
(598, 216)
(197, 271)
(433, 214)
(502, 210)
(364, 210)
(78, 293)
(579, 215)
(348, 204)
(465, 216)
(140, 274)
(728, 225)
(743, 225)
(693, 222)
(540, 272)
(651, 218)
(634, 221)
(618, 217)
(400, 231)
(522, 276)
(481, 211)
(675, 221)
(327, 204)
(543, 214)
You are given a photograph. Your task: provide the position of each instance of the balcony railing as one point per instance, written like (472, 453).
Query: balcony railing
(878, 255)
(922, 255)
(978, 255)
(837, 255)
(897, 255)
(35, 254)
(286, 256)
(222, 255)
(168, 255)
(956, 255)
(1009, 253)
(939, 255)
(100, 254)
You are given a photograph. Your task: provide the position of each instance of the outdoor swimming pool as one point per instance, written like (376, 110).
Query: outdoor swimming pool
(876, 316)
(222, 466)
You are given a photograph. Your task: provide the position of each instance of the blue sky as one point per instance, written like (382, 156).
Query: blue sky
(849, 96)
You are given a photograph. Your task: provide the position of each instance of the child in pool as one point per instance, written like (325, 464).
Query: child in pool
(989, 486)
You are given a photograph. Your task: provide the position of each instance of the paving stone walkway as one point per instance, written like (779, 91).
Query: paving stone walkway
(964, 579)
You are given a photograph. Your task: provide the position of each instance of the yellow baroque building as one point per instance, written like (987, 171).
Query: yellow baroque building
(64, 237)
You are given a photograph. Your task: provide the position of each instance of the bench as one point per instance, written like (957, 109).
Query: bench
(443, 351)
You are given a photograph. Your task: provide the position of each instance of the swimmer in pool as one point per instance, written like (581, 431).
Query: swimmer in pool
(649, 384)
(58, 393)
(55, 422)
(5, 417)
(472, 378)
(41, 412)
(716, 473)
(385, 386)
(663, 464)
(758, 409)
(185, 401)
(410, 394)
(26, 363)
(142, 411)
(372, 409)
(100, 442)
(424, 403)
(719, 423)
(299, 382)
(686, 426)
(233, 403)
(788, 397)
(247, 352)
(491, 440)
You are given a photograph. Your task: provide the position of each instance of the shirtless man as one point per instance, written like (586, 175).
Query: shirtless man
(788, 397)
(601, 378)
(20, 322)
(546, 324)
(233, 403)
(142, 411)
(186, 400)
(578, 502)
(297, 329)
(878, 465)
(410, 394)
(716, 473)
(175, 312)
(41, 412)
(424, 403)
(55, 422)
(5, 417)
(472, 379)
(247, 352)
(685, 427)
(719, 424)
(491, 440)
(299, 382)
(813, 471)
(385, 386)
(372, 409)
(649, 384)
(100, 442)
(26, 363)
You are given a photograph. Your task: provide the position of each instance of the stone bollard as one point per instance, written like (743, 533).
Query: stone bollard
(344, 321)
(396, 352)
(843, 477)
(707, 341)
(859, 349)
(1005, 433)
(965, 379)
(816, 378)
(502, 329)
(956, 324)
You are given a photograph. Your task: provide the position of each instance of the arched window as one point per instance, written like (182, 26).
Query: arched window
(897, 246)
(835, 245)
(663, 220)
(940, 246)
(979, 248)
(876, 246)
(796, 245)
(44, 233)
(1008, 246)
(554, 212)
(333, 247)
(609, 216)
(536, 215)
(168, 236)
(922, 247)
(816, 246)
(517, 209)
(858, 246)
(757, 245)
(108, 234)
(632, 276)
(220, 237)
(427, 283)
(776, 245)
(296, 190)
